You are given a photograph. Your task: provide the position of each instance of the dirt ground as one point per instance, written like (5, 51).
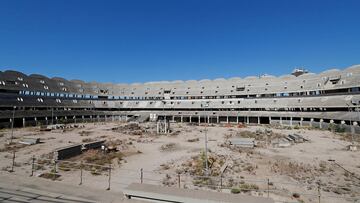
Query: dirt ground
(298, 173)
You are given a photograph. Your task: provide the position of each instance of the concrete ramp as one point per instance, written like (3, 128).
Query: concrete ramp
(154, 193)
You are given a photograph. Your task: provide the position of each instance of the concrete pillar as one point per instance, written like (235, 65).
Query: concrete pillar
(181, 118)
(281, 121)
(24, 122)
(353, 127)
(258, 120)
(311, 122)
(301, 121)
(270, 120)
(247, 119)
(190, 119)
(83, 119)
(237, 119)
(217, 119)
(291, 121)
(173, 118)
(208, 119)
(35, 120)
(321, 121)
(199, 119)
(227, 119)
(46, 121)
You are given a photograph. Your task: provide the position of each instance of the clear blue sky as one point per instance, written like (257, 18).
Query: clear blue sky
(151, 40)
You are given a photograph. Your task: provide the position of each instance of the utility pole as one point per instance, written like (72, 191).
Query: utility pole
(206, 146)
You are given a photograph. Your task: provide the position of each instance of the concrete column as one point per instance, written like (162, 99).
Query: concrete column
(270, 120)
(247, 119)
(301, 121)
(291, 121)
(258, 120)
(321, 121)
(199, 119)
(353, 127)
(311, 122)
(281, 121)
(217, 119)
(208, 119)
(24, 124)
(35, 120)
(173, 119)
(237, 119)
(181, 118)
(190, 119)
(46, 121)
(83, 119)
(227, 119)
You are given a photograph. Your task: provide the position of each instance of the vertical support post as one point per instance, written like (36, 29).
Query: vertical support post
(81, 173)
(268, 187)
(141, 175)
(281, 121)
(33, 166)
(237, 119)
(109, 177)
(13, 162)
(319, 195)
(199, 119)
(54, 170)
(291, 121)
(179, 180)
(24, 122)
(217, 119)
(221, 181)
(182, 118)
(258, 120)
(227, 119)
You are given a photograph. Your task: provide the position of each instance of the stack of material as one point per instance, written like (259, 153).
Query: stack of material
(67, 152)
(93, 145)
(30, 141)
(296, 138)
(243, 142)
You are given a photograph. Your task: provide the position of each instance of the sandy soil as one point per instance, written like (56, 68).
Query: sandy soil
(300, 168)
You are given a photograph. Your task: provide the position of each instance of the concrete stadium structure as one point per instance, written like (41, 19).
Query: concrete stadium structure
(302, 98)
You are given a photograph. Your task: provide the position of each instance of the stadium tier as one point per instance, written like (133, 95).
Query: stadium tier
(302, 98)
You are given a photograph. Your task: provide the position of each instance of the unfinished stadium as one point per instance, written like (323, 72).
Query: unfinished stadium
(286, 139)
(298, 99)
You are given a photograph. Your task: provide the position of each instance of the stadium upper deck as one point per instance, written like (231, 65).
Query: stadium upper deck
(332, 96)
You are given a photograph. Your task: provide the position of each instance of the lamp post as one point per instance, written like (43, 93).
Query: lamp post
(12, 124)
(206, 142)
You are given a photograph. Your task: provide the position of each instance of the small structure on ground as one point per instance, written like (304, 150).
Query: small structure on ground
(243, 142)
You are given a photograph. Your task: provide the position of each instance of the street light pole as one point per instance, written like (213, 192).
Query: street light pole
(206, 146)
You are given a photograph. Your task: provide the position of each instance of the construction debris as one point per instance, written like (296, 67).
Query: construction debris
(29, 141)
(243, 142)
